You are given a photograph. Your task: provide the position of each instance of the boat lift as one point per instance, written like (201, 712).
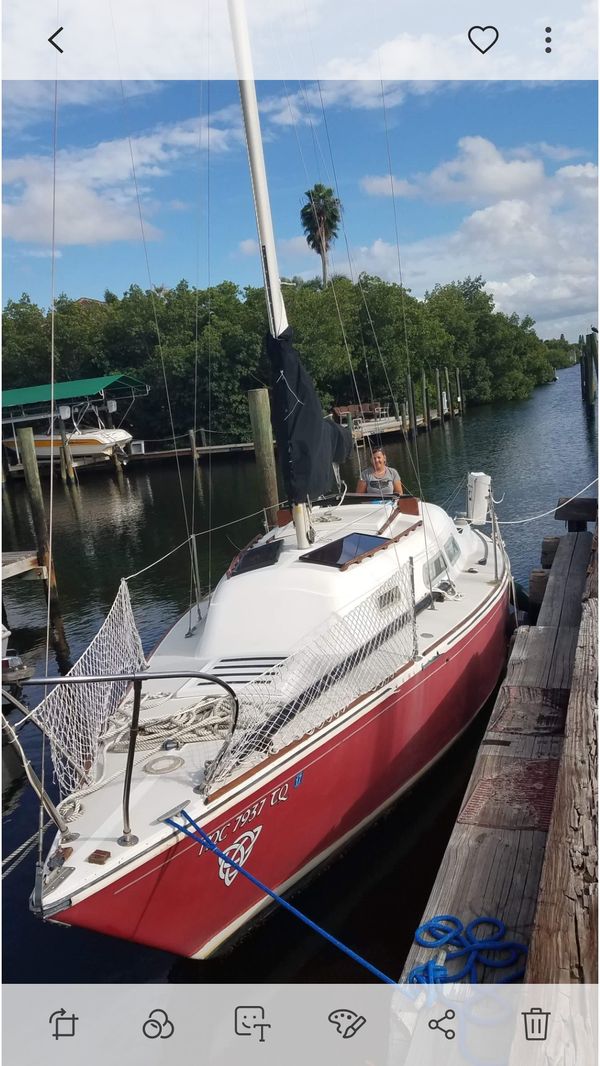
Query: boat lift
(67, 400)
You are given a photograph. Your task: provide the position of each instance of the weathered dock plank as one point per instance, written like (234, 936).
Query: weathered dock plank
(583, 509)
(562, 600)
(494, 859)
(565, 934)
(21, 562)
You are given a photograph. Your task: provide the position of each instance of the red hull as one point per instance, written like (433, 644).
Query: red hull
(184, 901)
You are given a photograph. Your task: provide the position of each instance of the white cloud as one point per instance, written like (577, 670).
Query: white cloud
(384, 186)
(95, 188)
(249, 246)
(532, 235)
(25, 103)
(480, 172)
(41, 253)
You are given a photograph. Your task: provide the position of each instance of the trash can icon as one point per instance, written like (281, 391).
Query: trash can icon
(536, 1023)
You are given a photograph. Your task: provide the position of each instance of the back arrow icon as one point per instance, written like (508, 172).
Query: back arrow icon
(53, 42)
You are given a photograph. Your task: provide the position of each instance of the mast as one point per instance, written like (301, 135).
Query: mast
(264, 222)
(262, 207)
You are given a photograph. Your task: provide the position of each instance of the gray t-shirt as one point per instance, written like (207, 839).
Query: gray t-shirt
(380, 486)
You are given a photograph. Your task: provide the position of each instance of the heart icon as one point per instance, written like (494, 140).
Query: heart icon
(483, 37)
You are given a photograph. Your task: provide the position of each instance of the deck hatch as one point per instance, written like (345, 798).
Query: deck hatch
(339, 553)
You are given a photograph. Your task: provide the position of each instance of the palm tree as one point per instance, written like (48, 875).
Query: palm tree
(320, 219)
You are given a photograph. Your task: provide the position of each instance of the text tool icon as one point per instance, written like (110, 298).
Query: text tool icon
(483, 37)
(536, 1023)
(347, 1022)
(436, 1023)
(63, 1024)
(250, 1021)
(158, 1024)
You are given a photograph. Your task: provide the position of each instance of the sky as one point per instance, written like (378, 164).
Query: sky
(490, 178)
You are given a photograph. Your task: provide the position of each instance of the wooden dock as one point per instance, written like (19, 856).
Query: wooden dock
(213, 449)
(17, 564)
(523, 848)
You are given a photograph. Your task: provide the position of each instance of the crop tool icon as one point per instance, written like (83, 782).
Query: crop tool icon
(64, 1024)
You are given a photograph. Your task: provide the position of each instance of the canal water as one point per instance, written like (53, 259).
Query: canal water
(373, 895)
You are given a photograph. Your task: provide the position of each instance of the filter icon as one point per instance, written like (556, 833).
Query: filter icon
(536, 1023)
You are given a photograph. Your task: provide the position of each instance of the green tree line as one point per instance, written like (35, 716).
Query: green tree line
(363, 336)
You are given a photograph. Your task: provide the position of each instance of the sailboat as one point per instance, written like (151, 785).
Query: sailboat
(343, 652)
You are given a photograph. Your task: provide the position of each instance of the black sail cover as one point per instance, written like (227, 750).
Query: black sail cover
(307, 443)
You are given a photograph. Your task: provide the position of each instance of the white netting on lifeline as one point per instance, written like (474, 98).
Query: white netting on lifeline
(350, 656)
(75, 717)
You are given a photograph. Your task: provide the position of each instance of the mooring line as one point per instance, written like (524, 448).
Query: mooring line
(201, 837)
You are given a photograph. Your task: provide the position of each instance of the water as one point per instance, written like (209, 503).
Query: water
(372, 897)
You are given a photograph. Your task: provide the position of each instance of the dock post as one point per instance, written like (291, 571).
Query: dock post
(262, 434)
(67, 451)
(203, 438)
(36, 500)
(193, 449)
(594, 347)
(590, 380)
(426, 412)
(63, 466)
(461, 391)
(405, 419)
(448, 393)
(459, 398)
(438, 398)
(412, 419)
(197, 474)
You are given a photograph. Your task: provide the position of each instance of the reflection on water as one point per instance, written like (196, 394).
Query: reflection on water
(105, 528)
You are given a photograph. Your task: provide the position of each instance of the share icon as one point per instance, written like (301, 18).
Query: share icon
(436, 1023)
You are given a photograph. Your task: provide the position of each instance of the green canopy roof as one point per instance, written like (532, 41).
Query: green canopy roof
(69, 390)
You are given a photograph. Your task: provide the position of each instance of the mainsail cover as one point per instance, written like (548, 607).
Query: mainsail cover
(308, 444)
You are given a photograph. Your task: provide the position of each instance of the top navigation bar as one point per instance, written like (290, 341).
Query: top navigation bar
(302, 39)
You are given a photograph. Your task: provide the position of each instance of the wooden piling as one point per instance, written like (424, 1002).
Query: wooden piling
(36, 501)
(425, 398)
(405, 418)
(193, 449)
(194, 455)
(594, 348)
(262, 434)
(459, 395)
(412, 419)
(448, 393)
(203, 440)
(438, 390)
(63, 466)
(70, 471)
(590, 375)
(582, 368)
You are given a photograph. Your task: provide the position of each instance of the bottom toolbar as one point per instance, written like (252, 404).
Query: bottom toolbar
(402, 1025)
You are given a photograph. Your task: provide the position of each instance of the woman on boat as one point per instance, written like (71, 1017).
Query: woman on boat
(379, 479)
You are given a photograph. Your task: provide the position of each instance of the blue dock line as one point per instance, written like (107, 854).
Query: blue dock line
(200, 836)
(447, 929)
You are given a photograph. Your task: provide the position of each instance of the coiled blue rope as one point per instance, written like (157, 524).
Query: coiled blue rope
(446, 930)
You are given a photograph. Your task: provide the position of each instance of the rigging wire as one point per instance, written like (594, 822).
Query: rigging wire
(40, 839)
(153, 301)
(536, 517)
(196, 472)
(209, 288)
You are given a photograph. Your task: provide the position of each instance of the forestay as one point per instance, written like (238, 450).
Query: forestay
(347, 658)
(75, 717)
